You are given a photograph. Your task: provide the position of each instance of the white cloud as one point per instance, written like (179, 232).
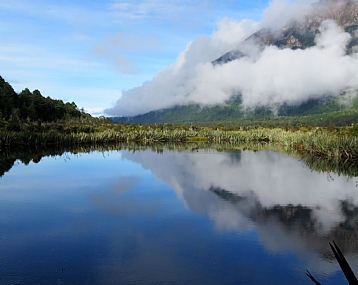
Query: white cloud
(110, 44)
(271, 77)
(42, 9)
(281, 12)
(113, 48)
(165, 10)
(179, 79)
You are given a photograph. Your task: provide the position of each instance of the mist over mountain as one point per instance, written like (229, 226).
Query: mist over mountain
(302, 51)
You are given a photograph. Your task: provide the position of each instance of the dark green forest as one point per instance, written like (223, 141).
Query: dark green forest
(339, 111)
(30, 106)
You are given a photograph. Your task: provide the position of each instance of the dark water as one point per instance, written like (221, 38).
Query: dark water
(202, 217)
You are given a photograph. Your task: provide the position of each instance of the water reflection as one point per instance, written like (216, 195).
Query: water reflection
(174, 217)
(9, 156)
(292, 207)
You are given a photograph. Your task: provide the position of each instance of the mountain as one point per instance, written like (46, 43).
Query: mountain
(299, 33)
(313, 112)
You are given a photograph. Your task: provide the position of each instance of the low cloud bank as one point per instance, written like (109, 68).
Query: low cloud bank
(269, 76)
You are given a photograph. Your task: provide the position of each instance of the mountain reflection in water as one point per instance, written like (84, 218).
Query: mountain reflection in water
(173, 217)
(292, 207)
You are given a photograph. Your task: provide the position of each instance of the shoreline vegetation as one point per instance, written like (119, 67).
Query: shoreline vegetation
(9, 156)
(331, 141)
(30, 120)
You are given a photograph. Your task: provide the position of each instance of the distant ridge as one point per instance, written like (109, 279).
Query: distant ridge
(296, 34)
(312, 112)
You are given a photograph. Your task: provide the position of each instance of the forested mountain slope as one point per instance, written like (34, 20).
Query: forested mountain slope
(298, 34)
(335, 111)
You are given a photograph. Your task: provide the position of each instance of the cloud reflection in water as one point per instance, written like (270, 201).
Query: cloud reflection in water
(291, 207)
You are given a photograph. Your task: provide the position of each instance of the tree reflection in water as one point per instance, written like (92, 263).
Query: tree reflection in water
(237, 189)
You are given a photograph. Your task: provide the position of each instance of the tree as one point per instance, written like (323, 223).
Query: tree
(8, 98)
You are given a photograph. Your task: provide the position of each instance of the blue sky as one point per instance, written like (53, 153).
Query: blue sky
(90, 51)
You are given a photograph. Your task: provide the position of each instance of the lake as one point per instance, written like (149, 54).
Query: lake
(197, 216)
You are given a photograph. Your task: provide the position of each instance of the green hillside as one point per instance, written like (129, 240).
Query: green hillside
(295, 35)
(313, 112)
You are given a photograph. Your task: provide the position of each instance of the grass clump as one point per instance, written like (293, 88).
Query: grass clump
(330, 141)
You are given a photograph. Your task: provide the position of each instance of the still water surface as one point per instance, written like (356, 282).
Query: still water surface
(189, 217)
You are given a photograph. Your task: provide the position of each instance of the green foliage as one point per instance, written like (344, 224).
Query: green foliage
(30, 106)
(340, 111)
(232, 109)
(28, 119)
(8, 99)
(35, 154)
(331, 141)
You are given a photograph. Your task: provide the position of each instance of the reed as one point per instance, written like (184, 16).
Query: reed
(331, 142)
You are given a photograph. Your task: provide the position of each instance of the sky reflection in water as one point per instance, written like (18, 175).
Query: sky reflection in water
(202, 217)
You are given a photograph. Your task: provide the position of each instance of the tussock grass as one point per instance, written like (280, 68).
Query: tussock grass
(331, 142)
